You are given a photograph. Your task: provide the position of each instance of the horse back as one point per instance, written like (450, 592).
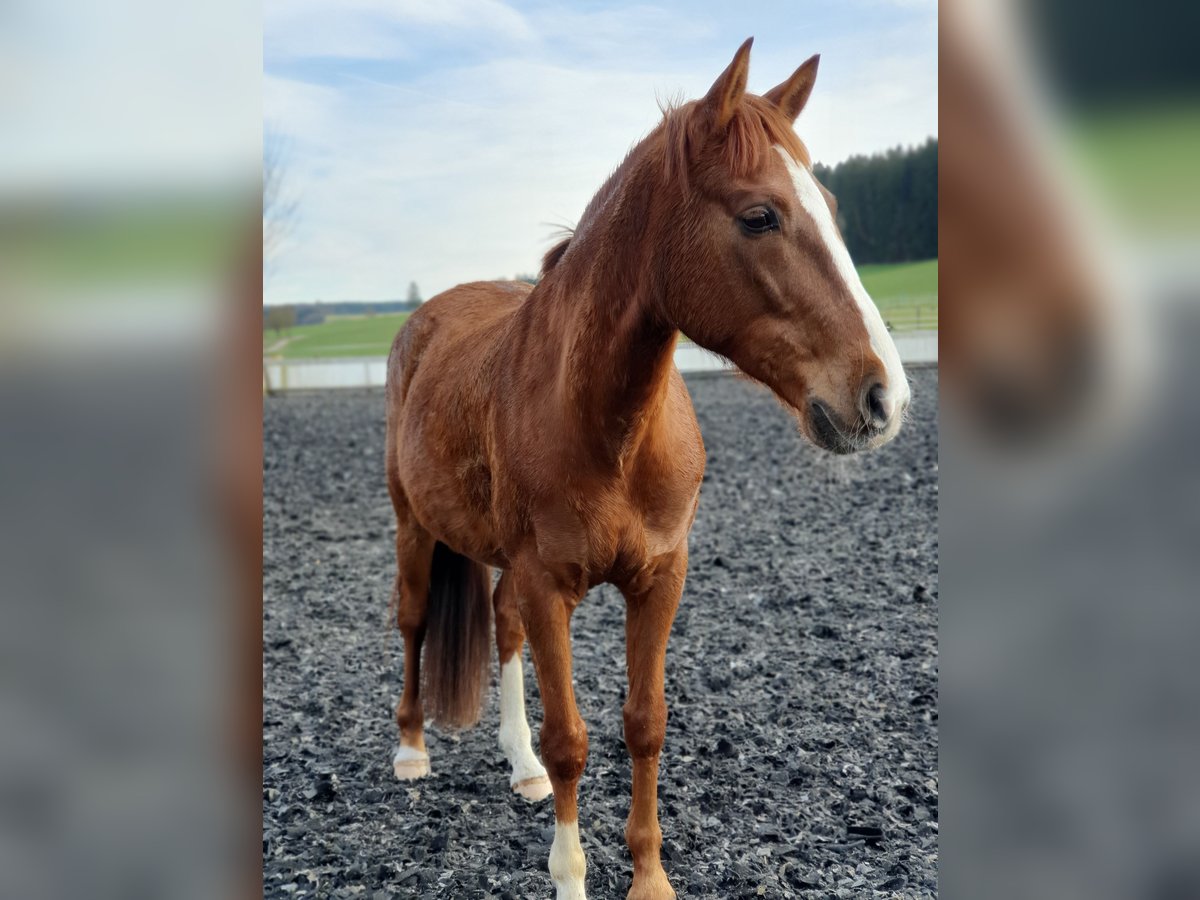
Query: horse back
(463, 322)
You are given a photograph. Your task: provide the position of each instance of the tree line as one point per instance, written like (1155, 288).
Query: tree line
(887, 203)
(279, 318)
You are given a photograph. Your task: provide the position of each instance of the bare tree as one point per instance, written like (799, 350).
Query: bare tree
(278, 217)
(280, 317)
(279, 207)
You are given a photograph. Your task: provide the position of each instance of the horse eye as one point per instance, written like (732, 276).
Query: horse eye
(759, 220)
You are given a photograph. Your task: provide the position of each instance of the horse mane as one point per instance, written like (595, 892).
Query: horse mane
(555, 253)
(756, 128)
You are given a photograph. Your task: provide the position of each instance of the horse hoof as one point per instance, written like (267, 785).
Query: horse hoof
(409, 769)
(410, 763)
(534, 789)
(654, 886)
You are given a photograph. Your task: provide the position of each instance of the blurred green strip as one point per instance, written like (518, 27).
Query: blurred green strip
(1144, 163)
(118, 242)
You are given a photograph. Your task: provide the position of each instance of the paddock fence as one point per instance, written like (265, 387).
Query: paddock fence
(916, 348)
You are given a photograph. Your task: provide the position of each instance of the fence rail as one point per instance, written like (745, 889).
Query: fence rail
(911, 317)
(916, 348)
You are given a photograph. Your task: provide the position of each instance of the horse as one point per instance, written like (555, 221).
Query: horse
(544, 431)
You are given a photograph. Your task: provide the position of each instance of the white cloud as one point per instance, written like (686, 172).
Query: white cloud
(454, 174)
(376, 29)
(444, 182)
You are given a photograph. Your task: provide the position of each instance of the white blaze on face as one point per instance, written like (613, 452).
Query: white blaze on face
(567, 865)
(898, 392)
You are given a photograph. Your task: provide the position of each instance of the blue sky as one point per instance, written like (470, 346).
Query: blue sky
(441, 141)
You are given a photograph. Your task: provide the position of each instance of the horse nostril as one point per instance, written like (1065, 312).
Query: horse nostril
(873, 407)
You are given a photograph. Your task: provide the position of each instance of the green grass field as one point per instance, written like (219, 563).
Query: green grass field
(338, 336)
(906, 294)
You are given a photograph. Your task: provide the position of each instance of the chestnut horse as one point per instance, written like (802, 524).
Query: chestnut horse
(546, 432)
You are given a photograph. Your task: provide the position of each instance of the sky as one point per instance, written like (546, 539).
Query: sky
(445, 141)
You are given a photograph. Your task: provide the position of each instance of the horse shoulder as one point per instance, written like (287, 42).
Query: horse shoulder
(676, 447)
(669, 472)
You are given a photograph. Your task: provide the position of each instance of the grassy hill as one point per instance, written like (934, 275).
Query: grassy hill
(906, 294)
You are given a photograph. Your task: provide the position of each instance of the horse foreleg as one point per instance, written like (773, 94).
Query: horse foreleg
(650, 610)
(546, 616)
(529, 778)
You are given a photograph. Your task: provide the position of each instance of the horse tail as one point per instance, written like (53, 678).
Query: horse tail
(457, 639)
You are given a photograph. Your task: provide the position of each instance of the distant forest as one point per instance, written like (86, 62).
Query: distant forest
(887, 203)
(315, 313)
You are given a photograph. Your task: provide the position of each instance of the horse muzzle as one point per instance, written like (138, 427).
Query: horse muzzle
(876, 421)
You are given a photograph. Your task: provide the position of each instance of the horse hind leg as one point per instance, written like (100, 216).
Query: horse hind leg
(529, 778)
(414, 556)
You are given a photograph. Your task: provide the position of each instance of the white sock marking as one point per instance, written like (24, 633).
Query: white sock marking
(567, 865)
(515, 738)
(409, 763)
(407, 754)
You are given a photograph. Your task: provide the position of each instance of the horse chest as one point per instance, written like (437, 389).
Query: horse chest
(611, 532)
(665, 517)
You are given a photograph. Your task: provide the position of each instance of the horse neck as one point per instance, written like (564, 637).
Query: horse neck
(601, 306)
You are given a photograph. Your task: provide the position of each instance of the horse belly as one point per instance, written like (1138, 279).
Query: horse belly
(452, 500)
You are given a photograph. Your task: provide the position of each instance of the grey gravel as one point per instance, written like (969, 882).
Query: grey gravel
(801, 753)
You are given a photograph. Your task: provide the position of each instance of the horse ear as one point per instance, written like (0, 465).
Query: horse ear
(723, 97)
(791, 96)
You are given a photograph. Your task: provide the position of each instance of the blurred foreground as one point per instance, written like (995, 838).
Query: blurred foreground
(1070, 497)
(130, 283)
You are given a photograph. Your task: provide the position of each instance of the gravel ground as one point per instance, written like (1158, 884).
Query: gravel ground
(801, 752)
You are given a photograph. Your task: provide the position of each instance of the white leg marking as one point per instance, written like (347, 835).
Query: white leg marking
(529, 777)
(898, 391)
(567, 865)
(410, 763)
